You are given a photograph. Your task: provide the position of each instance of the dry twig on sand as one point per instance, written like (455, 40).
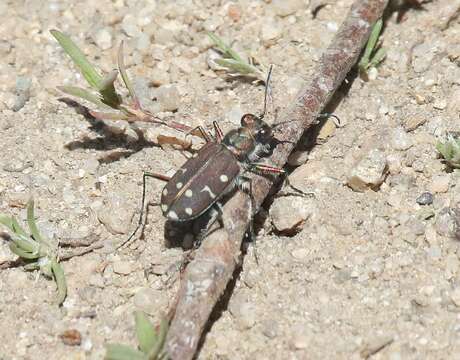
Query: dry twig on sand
(206, 277)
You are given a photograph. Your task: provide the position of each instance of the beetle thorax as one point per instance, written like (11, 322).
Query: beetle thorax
(240, 142)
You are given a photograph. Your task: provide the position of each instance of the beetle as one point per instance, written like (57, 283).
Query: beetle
(216, 170)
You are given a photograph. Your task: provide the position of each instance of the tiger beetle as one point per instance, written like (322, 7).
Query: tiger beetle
(216, 170)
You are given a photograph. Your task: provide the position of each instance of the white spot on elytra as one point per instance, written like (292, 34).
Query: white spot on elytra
(195, 155)
(165, 192)
(188, 211)
(189, 193)
(172, 215)
(209, 191)
(164, 207)
(179, 185)
(223, 178)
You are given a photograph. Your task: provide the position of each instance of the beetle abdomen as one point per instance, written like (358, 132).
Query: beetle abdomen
(199, 183)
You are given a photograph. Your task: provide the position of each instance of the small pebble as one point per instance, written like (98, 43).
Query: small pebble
(143, 42)
(431, 236)
(300, 254)
(103, 39)
(23, 85)
(413, 123)
(244, 312)
(146, 299)
(368, 173)
(271, 30)
(400, 140)
(440, 104)
(234, 115)
(422, 56)
(96, 280)
(290, 222)
(287, 7)
(270, 328)
(129, 25)
(123, 267)
(455, 297)
(71, 337)
(446, 222)
(91, 165)
(168, 97)
(434, 252)
(440, 184)
(301, 337)
(425, 198)
(114, 215)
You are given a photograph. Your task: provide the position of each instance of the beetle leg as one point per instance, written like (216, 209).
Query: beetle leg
(204, 133)
(141, 216)
(214, 214)
(265, 169)
(244, 183)
(218, 132)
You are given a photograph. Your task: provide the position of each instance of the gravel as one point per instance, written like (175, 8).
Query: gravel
(369, 263)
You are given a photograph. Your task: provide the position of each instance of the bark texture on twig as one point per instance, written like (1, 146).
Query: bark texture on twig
(208, 274)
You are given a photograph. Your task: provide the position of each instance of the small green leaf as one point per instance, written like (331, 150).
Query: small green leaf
(26, 244)
(61, 283)
(450, 151)
(226, 50)
(17, 229)
(365, 62)
(123, 352)
(7, 221)
(22, 253)
(87, 69)
(108, 92)
(124, 75)
(378, 58)
(31, 222)
(238, 67)
(83, 94)
(145, 332)
(159, 345)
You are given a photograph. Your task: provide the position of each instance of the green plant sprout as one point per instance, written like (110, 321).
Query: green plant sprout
(233, 63)
(151, 342)
(450, 150)
(373, 53)
(103, 93)
(37, 252)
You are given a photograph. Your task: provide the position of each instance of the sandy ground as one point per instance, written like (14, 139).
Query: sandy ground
(362, 270)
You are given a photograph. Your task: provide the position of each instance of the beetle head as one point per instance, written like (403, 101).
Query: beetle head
(258, 129)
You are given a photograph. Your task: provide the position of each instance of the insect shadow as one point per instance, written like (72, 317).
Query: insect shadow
(107, 139)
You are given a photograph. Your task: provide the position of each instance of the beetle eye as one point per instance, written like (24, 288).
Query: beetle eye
(248, 120)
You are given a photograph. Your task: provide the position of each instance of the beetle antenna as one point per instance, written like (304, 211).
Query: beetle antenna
(267, 86)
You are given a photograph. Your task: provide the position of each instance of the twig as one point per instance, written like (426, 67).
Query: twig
(67, 255)
(206, 277)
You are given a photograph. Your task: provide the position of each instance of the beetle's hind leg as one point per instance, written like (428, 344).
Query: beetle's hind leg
(204, 225)
(244, 183)
(141, 215)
